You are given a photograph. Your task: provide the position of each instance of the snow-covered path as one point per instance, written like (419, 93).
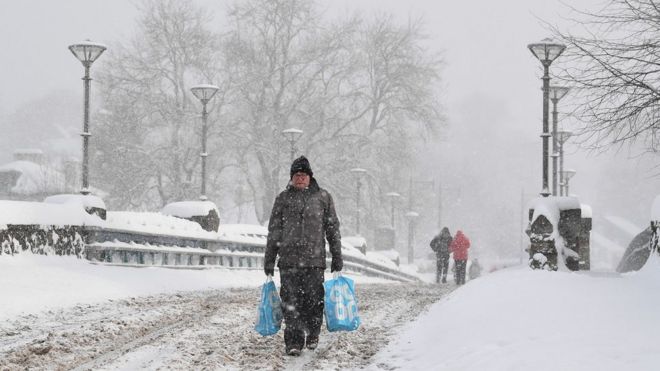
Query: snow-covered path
(199, 330)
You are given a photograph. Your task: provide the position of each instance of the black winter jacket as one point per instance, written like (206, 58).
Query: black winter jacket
(300, 222)
(440, 244)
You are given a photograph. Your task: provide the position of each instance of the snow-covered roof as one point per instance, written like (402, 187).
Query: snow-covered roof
(38, 213)
(78, 199)
(35, 178)
(655, 209)
(187, 209)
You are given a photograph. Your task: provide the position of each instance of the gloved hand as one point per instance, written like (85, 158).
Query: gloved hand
(269, 271)
(337, 264)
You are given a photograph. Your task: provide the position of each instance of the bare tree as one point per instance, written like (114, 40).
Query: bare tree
(148, 137)
(613, 61)
(351, 86)
(362, 90)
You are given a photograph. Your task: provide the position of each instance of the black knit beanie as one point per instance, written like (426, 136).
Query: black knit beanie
(301, 164)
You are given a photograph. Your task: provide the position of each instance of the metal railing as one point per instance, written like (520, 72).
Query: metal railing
(142, 249)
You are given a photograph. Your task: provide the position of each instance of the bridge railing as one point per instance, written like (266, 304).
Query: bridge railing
(141, 249)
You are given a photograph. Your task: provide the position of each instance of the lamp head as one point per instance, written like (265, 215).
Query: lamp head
(292, 134)
(204, 92)
(568, 174)
(563, 136)
(87, 52)
(546, 50)
(558, 92)
(358, 171)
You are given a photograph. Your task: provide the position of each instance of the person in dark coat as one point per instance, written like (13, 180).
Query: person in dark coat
(303, 217)
(459, 247)
(440, 245)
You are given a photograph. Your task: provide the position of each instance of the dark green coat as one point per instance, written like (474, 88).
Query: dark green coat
(299, 224)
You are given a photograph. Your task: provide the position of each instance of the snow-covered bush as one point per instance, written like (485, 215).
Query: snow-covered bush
(43, 240)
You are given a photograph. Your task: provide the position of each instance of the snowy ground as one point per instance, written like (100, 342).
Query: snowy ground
(519, 319)
(515, 319)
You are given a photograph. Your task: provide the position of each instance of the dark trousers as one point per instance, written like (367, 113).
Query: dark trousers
(302, 296)
(460, 271)
(441, 269)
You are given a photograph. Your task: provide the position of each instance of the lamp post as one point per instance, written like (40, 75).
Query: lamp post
(411, 216)
(567, 175)
(204, 93)
(562, 136)
(556, 93)
(86, 52)
(358, 172)
(546, 51)
(292, 135)
(393, 196)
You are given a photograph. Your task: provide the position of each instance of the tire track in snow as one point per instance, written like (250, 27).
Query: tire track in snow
(202, 330)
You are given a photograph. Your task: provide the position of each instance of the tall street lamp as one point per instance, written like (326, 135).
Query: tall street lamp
(567, 175)
(204, 93)
(556, 93)
(562, 137)
(393, 196)
(358, 173)
(546, 51)
(86, 52)
(411, 216)
(292, 135)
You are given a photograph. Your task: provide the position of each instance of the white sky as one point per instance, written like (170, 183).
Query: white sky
(484, 41)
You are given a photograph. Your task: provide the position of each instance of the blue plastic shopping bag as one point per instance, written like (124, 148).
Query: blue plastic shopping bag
(341, 312)
(269, 320)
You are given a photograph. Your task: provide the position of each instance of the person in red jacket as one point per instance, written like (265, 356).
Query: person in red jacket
(459, 247)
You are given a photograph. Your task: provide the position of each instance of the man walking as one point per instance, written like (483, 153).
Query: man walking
(440, 245)
(303, 216)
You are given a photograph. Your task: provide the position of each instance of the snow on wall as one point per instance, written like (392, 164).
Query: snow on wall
(384, 257)
(244, 233)
(38, 213)
(585, 211)
(69, 210)
(551, 206)
(187, 209)
(547, 207)
(77, 199)
(156, 223)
